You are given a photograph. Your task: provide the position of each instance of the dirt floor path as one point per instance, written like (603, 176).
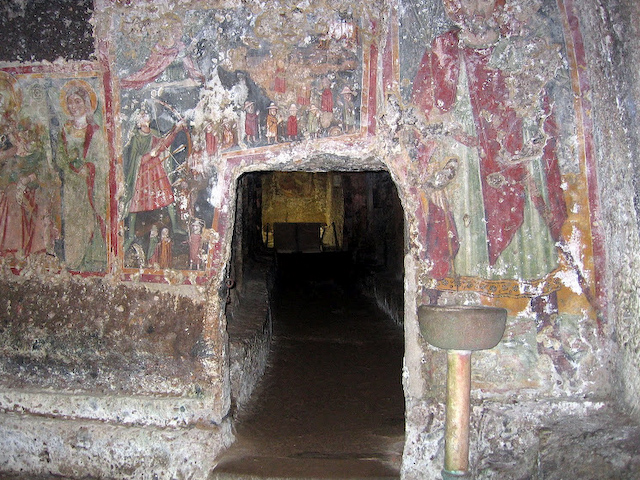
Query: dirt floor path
(331, 403)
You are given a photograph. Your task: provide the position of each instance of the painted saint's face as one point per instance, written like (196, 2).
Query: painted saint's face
(485, 7)
(144, 122)
(482, 8)
(171, 34)
(77, 107)
(474, 17)
(472, 8)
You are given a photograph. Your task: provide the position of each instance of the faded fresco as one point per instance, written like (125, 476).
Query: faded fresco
(489, 85)
(493, 154)
(55, 168)
(488, 133)
(198, 86)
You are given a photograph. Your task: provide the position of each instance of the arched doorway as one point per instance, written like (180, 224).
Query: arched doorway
(318, 259)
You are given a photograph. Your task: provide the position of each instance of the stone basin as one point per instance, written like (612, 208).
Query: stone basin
(462, 327)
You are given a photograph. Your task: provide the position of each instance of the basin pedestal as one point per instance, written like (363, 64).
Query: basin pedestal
(456, 440)
(460, 330)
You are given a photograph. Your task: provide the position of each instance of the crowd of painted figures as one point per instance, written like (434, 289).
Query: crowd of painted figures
(309, 121)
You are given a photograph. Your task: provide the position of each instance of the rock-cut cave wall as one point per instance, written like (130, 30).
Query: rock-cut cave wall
(511, 153)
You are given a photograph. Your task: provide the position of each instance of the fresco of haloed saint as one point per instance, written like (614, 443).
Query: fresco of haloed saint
(489, 93)
(54, 172)
(198, 86)
(83, 163)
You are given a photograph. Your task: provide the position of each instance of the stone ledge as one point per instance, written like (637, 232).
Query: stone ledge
(250, 333)
(529, 439)
(122, 410)
(32, 445)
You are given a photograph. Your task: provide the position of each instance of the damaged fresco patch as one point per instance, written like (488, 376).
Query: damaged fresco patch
(485, 95)
(37, 31)
(494, 157)
(491, 149)
(199, 85)
(55, 169)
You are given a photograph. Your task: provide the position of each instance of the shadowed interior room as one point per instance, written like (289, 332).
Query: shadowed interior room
(393, 239)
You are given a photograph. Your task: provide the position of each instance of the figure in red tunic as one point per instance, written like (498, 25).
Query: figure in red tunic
(163, 252)
(169, 49)
(148, 184)
(280, 81)
(326, 105)
(195, 245)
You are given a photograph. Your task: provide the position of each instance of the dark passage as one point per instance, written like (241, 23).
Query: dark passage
(330, 404)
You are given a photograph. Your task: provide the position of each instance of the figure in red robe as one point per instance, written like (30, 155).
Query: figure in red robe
(326, 102)
(251, 122)
(164, 53)
(504, 176)
(163, 252)
(292, 123)
(152, 188)
(280, 81)
(148, 185)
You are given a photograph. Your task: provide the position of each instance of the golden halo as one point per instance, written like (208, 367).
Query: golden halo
(81, 84)
(8, 83)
